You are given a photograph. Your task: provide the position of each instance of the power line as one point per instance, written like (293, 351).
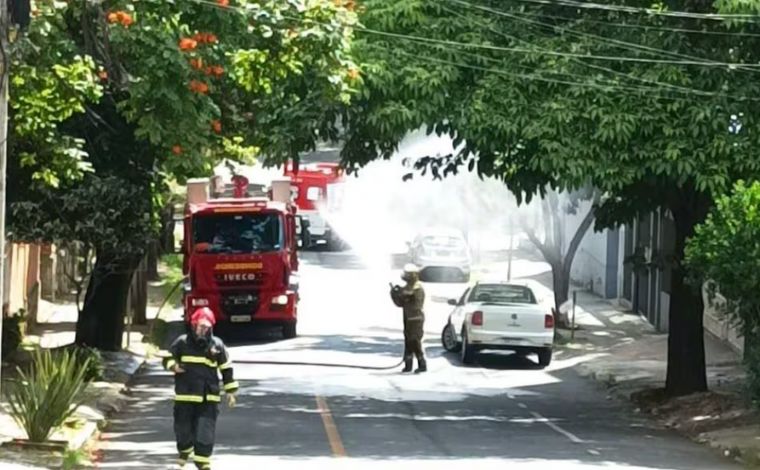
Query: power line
(586, 64)
(633, 90)
(555, 53)
(507, 73)
(648, 11)
(623, 44)
(520, 50)
(654, 28)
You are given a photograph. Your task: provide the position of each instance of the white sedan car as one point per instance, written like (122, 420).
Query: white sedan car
(499, 316)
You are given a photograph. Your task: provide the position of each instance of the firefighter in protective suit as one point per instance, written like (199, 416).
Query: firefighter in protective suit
(411, 298)
(197, 359)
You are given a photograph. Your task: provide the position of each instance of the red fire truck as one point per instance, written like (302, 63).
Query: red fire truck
(317, 191)
(241, 254)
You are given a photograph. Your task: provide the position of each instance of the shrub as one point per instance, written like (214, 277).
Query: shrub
(46, 395)
(13, 334)
(91, 358)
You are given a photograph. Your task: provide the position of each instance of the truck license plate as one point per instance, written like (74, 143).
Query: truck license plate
(240, 318)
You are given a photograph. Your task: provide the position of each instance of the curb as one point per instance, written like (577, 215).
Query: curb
(109, 399)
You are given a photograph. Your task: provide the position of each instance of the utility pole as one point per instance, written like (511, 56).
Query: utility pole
(511, 248)
(4, 77)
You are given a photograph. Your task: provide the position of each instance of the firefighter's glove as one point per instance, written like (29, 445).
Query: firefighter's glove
(231, 400)
(177, 369)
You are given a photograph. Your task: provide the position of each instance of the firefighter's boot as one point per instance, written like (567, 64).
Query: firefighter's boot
(422, 366)
(184, 457)
(407, 365)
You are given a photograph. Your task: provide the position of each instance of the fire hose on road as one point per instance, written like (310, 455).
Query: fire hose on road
(273, 362)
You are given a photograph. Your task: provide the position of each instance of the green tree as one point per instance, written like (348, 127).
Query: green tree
(637, 104)
(166, 89)
(724, 256)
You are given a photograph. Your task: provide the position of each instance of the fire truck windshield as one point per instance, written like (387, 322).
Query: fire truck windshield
(239, 233)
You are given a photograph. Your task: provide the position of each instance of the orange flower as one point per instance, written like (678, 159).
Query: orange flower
(177, 150)
(199, 87)
(199, 37)
(216, 125)
(197, 64)
(223, 3)
(187, 44)
(209, 71)
(126, 20)
(113, 18)
(218, 70)
(210, 38)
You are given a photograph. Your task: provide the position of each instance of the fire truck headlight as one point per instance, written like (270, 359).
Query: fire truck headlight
(280, 300)
(199, 302)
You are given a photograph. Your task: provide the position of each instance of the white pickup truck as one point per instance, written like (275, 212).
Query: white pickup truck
(499, 316)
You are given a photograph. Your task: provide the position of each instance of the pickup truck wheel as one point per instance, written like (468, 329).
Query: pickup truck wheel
(468, 352)
(289, 331)
(544, 357)
(449, 339)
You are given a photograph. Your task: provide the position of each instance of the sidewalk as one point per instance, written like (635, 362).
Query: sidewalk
(55, 329)
(632, 363)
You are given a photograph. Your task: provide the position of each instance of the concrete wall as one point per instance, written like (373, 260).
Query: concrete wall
(716, 323)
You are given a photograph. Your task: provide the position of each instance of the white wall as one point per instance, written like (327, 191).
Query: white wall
(590, 262)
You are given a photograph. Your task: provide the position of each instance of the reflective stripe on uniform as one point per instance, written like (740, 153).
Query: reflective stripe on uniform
(230, 386)
(226, 365)
(170, 363)
(415, 318)
(213, 398)
(199, 360)
(189, 450)
(201, 459)
(189, 398)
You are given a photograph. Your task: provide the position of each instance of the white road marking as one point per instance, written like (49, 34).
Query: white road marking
(575, 439)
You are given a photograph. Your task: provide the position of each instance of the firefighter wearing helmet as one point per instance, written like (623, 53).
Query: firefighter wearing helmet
(197, 359)
(411, 298)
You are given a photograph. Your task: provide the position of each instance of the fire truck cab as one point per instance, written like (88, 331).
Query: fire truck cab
(317, 192)
(241, 255)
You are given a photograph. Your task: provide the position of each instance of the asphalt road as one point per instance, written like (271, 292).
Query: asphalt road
(503, 413)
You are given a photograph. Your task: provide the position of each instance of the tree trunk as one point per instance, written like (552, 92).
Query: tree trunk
(101, 322)
(140, 298)
(686, 347)
(152, 261)
(561, 286)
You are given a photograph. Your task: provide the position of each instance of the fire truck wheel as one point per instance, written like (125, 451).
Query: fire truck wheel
(289, 331)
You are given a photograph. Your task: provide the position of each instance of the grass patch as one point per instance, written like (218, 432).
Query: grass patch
(157, 334)
(74, 459)
(170, 269)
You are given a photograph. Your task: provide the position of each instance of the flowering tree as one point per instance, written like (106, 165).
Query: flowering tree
(146, 91)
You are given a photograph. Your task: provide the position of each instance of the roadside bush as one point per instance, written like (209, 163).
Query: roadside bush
(724, 256)
(42, 398)
(91, 359)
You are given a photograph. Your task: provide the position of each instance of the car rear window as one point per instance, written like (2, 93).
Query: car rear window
(502, 293)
